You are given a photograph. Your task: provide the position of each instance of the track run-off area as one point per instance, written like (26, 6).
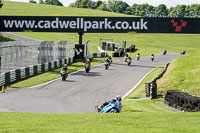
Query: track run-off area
(82, 91)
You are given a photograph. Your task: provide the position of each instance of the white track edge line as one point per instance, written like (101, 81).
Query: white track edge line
(137, 84)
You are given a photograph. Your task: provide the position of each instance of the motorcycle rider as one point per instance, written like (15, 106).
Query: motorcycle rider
(138, 56)
(107, 63)
(118, 103)
(109, 59)
(113, 105)
(65, 70)
(88, 63)
(129, 61)
(165, 52)
(152, 57)
(125, 57)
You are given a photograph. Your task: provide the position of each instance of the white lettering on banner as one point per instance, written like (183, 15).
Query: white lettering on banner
(64, 24)
(47, 25)
(95, 25)
(107, 24)
(81, 23)
(87, 25)
(125, 25)
(117, 25)
(73, 24)
(40, 24)
(143, 25)
(54, 24)
(78, 23)
(136, 27)
(101, 24)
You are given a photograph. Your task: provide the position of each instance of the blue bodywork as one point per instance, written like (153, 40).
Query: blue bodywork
(111, 106)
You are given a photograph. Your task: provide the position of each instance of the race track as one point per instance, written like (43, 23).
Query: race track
(81, 92)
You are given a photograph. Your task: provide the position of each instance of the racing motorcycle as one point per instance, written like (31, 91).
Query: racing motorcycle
(87, 68)
(106, 63)
(152, 57)
(126, 57)
(64, 75)
(109, 60)
(129, 61)
(138, 56)
(165, 52)
(107, 107)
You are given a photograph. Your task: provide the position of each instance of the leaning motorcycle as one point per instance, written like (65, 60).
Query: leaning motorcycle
(64, 75)
(107, 107)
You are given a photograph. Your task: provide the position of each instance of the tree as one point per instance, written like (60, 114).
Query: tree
(128, 11)
(120, 7)
(1, 3)
(53, 2)
(111, 5)
(41, 2)
(103, 7)
(86, 4)
(32, 1)
(161, 11)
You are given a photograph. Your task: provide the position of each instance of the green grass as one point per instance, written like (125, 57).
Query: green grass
(145, 43)
(51, 75)
(150, 116)
(183, 74)
(6, 38)
(100, 123)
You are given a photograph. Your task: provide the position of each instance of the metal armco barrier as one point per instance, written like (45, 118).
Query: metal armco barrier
(23, 73)
(151, 87)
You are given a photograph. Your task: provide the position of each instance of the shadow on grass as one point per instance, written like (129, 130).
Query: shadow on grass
(127, 111)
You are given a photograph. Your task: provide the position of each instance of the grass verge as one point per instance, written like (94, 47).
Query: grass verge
(6, 38)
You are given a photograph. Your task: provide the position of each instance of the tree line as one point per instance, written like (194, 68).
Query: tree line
(145, 10)
(48, 2)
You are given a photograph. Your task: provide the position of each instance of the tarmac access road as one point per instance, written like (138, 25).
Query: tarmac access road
(82, 91)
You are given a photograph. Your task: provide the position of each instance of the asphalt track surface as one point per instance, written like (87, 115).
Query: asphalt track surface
(82, 91)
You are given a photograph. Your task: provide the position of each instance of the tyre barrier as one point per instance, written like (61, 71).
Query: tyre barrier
(23, 73)
(151, 87)
(182, 101)
(119, 52)
(130, 48)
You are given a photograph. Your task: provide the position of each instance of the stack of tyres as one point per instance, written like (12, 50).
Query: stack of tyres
(182, 101)
(131, 48)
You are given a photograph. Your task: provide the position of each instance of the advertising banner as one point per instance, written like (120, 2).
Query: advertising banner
(98, 24)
